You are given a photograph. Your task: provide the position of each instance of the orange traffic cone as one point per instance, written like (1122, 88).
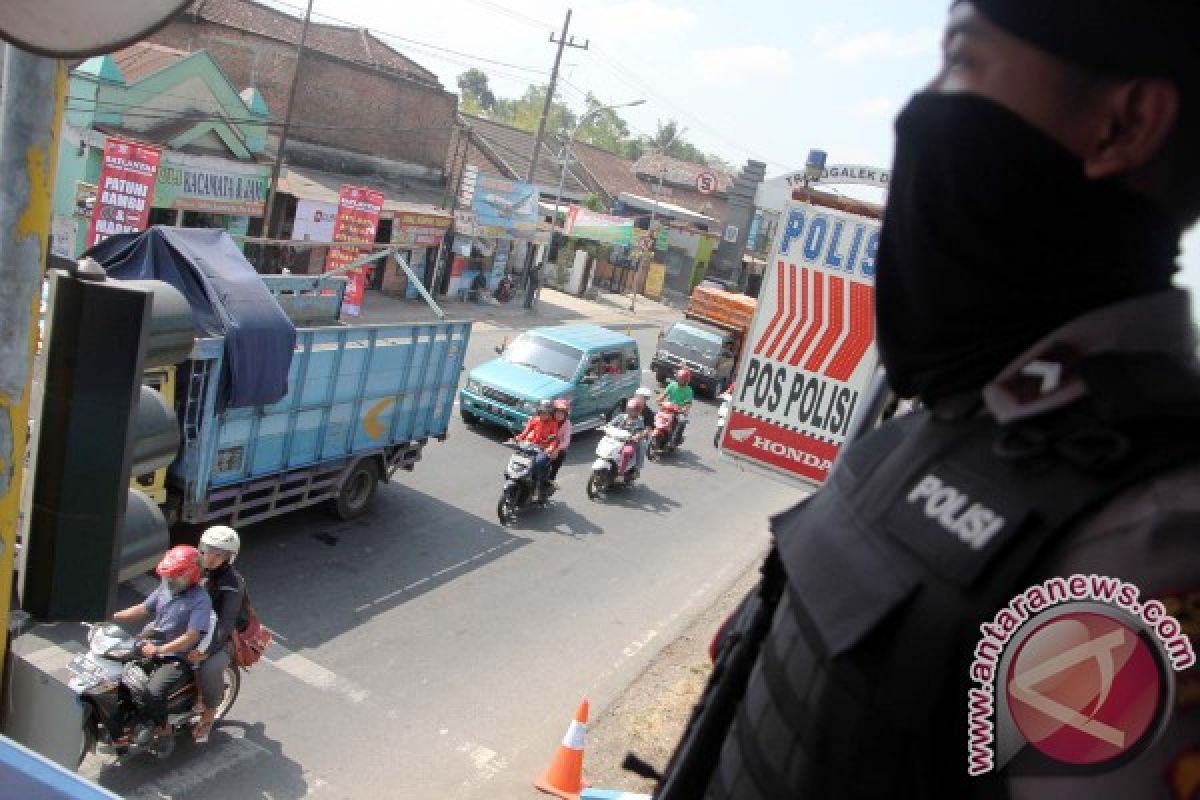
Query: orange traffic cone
(564, 777)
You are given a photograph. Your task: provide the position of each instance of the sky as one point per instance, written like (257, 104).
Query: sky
(763, 79)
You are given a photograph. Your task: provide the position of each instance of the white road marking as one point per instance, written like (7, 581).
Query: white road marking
(391, 595)
(312, 673)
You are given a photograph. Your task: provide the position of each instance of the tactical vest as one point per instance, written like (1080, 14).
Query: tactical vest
(860, 688)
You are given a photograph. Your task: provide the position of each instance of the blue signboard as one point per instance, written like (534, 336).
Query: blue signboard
(501, 203)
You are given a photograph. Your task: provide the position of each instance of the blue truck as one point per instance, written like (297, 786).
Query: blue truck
(359, 401)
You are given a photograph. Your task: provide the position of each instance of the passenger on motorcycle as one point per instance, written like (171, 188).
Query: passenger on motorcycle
(542, 431)
(181, 610)
(633, 422)
(226, 587)
(562, 416)
(679, 392)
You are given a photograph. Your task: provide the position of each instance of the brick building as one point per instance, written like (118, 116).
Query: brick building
(362, 108)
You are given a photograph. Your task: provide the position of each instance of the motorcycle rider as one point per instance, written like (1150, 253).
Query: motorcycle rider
(679, 392)
(181, 609)
(648, 415)
(541, 430)
(562, 416)
(219, 546)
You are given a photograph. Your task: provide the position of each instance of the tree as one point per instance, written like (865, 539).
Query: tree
(667, 138)
(477, 96)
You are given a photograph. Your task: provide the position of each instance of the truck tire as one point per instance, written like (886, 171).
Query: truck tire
(357, 490)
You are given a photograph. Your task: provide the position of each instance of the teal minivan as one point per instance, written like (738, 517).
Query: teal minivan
(593, 368)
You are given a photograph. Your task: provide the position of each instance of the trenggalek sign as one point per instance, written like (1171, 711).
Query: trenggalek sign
(810, 355)
(125, 189)
(357, 220)
(583, 223)
(198, 183)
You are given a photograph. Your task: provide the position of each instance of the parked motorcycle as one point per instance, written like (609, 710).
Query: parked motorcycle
(722, 417)
(519, 489)
(616, 457)
(108, 678)
(669, 424)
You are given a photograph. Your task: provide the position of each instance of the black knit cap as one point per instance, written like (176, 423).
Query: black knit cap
(1120, 38)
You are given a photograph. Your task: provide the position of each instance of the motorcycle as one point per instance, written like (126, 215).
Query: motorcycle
(722, 417)
(669, 423)
(616, 455)
(109, 676)
(519, 489)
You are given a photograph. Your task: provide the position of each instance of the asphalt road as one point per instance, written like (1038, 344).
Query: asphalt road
(423, 651)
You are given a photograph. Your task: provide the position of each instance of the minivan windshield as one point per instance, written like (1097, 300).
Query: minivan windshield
(544, 356)
(699, 345)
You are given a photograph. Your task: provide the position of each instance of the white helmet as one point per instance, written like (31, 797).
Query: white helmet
(223, 538)
(644, 392)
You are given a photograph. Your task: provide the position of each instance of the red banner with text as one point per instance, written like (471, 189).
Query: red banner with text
(357, 220)
(125, 189)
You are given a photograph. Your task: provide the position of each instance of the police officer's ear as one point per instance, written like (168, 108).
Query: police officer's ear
(1133, 122)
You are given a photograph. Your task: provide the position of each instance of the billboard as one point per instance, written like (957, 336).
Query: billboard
(124, 191)
(810, 355)
(357, 219)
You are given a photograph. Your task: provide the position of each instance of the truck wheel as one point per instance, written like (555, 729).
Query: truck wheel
(357, 490)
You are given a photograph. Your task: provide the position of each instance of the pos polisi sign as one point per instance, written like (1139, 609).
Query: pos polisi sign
(810, 354)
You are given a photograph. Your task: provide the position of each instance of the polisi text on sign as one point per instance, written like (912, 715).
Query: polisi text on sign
(833, 242)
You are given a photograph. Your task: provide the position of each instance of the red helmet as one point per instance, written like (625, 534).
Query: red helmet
(562, 405)
(684, 376)
(180, 562)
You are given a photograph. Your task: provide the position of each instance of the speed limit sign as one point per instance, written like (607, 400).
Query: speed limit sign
(706, 182)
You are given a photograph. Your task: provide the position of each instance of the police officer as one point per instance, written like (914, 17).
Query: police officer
(1041, 186)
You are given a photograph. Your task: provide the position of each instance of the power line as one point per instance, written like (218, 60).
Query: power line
(514, 14)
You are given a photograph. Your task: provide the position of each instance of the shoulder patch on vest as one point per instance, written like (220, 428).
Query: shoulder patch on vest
(955, 521)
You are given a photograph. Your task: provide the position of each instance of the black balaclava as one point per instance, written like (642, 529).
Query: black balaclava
(993, 235)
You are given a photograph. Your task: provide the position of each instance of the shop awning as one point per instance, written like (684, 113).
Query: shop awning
(306, 184)
(665, 209)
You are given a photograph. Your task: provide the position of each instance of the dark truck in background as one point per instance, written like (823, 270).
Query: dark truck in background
(707, 341)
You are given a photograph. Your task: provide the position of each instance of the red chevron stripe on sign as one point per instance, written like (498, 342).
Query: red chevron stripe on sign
(862, 332)
(785, 330)
(780, 310)
(837, 316)
(816, 320)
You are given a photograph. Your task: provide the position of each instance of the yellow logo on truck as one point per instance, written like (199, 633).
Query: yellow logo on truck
(371, 424)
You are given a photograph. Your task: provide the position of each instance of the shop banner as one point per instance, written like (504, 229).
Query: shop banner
(413, 229)
(314, 221)
(214, 185)
(125, 189)
(583, 223)
(357, 219)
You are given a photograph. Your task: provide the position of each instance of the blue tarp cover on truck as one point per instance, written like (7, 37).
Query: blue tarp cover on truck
(228, 299)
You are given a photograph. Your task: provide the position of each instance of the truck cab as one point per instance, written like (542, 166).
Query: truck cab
(595, 369)
(707, 349)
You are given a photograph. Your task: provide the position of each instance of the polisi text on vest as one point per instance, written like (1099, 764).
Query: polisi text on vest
(972, 522)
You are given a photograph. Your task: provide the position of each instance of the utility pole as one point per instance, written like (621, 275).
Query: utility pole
(31, 109)
(562, 42)
(287, 123)
(662, 174)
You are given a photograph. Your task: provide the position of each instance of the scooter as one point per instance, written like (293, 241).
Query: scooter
(616, 455)
(519, 489)
(108, 678)
(669, 423)
(722, 417)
